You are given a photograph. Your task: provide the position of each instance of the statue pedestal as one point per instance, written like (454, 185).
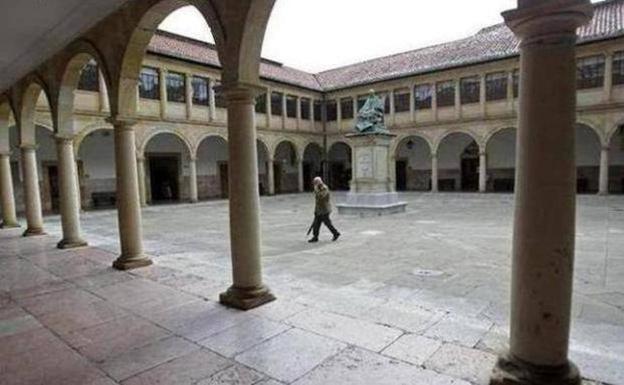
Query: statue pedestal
(372, 190)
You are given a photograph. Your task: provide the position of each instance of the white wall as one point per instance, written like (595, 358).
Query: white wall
(211, 151)
(450, 150)
(418, 157)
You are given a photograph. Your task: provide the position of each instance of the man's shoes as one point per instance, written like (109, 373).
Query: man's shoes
(336, 236)
(313, 240)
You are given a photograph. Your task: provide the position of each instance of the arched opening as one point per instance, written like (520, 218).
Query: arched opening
(48, 169)
(96, 170)
(413, 165)
(263, 164)
(339, 166)
(501, 161)
(458, 163)
(212, 168)
(167, 169)
(285, 168)
(616, 162)
(312, 164)
(587, 160)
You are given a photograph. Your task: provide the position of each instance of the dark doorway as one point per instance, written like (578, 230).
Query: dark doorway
(470, 168)
(164, 178)
(224, 179)
(277, 177)
(309, 173)
(401, 175)
(339, 176)
(54, 187)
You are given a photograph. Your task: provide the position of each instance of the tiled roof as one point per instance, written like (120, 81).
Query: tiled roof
(491, 43)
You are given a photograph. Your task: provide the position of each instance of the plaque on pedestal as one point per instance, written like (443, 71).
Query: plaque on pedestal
(372, 190)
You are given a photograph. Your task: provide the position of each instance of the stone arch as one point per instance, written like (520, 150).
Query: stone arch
(212, 156)
(206, 136)
(85, 132)
(436, 143)
(339, 163)
(164, 131)
(500, 149)
(28, 98)
(150, 17)
(589, 143)
(458, 161)
(95, 156)
(397, 142)
(286, 170)
(81, 52)
(412, 163)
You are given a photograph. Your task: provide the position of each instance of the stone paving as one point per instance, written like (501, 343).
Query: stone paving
(415, 298)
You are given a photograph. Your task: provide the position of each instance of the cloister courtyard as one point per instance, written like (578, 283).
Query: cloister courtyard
(415, 298)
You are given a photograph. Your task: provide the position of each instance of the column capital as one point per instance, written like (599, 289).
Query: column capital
(6, 153)
(244, 93)
(140, 158)
(605, 147)
(192, 158)
(122, 122)
(28, 147)
(556, 21)
(64, 139)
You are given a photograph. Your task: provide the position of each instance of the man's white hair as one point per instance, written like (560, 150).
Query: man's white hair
(317, 180)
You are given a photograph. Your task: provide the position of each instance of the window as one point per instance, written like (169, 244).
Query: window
(201, 97)
(361, 100)
(304, 104)
(401, 101)
(176, 89)
(89, 77)
(346, 108)
(149, 85)
(590, 72)
(291, 106)
(318, 111)
(219, 96)
(276, 103)
(422, 97)
(470, 90)
(332, 111)
(516, 83)
(496, 86)
(261, 103)
(618, 68)
(445, 92)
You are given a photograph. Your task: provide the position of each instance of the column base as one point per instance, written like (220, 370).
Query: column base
(30, 232)
(9, 225)
(246, 299)
(71, 244)
(512, 371)
(124, 263)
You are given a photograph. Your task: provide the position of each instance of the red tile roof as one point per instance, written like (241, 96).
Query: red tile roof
(491, 43)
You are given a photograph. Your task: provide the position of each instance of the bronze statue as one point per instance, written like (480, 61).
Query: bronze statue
(370, 118)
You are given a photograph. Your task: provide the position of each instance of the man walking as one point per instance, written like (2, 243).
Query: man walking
(322, 210)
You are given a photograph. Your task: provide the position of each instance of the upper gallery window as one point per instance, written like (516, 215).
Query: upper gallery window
(318, 111)
(361, 100)
(276, 103)
(149, 85)
(219, 95)
(346, 108)
(618, 68)
(291, 106)
(590, 72)
(176, 89)
(261, 103)
(401, 101)
(304, 105)
(89, 77)
(496, 86)
(423, 97)
(470, 90)
(201, 96)
(332, 111)
(516, 83)
(445, 93)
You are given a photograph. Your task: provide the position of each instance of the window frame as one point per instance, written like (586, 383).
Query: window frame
(176, 87)
(198, 98)
(89, 77)
(304, 106)
(496, 84)
(276, 103)
(331, 107)
(470, 90)
(590, 72)
(152, 93)
(346, 108)
(401, 101)
(291, 106)
(423, 100)
(617, 72)
(445, 93)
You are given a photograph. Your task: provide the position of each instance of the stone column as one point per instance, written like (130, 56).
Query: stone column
(545, 208)
(128, 201)
(608, 77)
(299, 113)
(212, 105)
(193, 180)
(284, 112)
(434, 172)
(482, 94)
(604, 171)
(510, 92)
(271, 176)
(141, 177)
(434, 101)
(392, 112)
(269, 108)
(247, 290)
(32, 196)
(412, 103)
(163, 93)
(7, 199)
(69, 200)
(482, 172)
(458, 105)
(189, 95)
(300, 175)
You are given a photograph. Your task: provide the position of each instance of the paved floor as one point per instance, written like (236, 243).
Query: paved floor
(416, 298)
